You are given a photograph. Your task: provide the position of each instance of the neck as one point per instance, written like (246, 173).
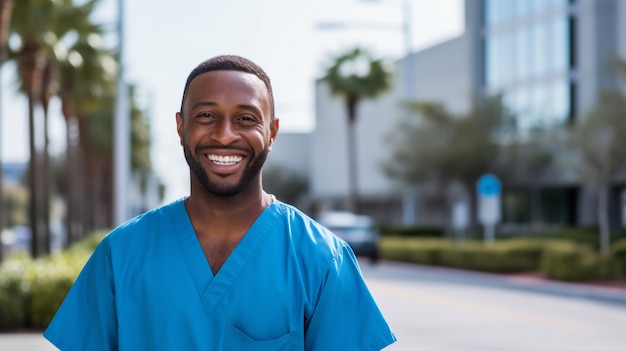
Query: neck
(222, 215)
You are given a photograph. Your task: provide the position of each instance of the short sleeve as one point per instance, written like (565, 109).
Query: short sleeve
(346, 316)
(87, 319)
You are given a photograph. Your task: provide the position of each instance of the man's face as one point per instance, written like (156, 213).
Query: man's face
(226, 130)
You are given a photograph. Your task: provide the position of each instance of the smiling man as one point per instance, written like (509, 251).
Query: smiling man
(229, 267)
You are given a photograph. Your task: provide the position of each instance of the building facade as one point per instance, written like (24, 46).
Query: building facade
(547, 58)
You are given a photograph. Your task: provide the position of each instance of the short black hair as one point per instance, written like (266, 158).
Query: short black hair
(230, 63)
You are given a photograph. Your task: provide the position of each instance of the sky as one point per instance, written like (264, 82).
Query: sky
(164, 40)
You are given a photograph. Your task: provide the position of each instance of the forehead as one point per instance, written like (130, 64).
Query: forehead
(228, 87)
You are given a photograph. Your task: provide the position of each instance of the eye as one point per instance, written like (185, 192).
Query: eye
(203, 116)
(247, 119)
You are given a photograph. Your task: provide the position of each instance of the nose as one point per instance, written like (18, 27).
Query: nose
(225, 132)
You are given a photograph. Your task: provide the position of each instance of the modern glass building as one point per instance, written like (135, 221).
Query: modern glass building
(529, 58)
(548, 59)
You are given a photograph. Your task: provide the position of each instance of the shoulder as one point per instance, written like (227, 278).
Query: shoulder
(306, 227)
(148, 223)
(308, 236)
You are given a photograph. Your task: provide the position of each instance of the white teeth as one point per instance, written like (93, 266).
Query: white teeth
(224, 160)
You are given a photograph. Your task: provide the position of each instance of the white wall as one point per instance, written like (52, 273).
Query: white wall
(440, 74)
(291, 151)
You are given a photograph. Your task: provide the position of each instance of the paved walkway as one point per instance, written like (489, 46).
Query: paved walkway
(25, 342)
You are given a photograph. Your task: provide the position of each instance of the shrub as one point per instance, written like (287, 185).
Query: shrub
(618, 258)
(15, 291)
(53, 276)
(423, 251)
(513, 255)
(32, 291)
(575, 263)
(500, 257)
(51, 280)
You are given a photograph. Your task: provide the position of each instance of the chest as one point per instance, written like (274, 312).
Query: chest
(217, 251)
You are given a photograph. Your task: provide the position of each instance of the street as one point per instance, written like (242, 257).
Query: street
(438, 309)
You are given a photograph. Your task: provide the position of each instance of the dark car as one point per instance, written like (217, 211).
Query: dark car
(357, 230)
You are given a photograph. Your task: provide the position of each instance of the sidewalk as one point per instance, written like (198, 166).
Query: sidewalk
(603, 291)
(24, 341)
(613, 292)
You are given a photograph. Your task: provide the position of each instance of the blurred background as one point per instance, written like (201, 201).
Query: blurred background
(477, 134)
(466, 118)
(159, 45)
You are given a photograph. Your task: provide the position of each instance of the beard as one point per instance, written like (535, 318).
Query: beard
(252, 170)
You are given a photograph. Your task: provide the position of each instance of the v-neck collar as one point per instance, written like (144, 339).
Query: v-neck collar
(212, 288)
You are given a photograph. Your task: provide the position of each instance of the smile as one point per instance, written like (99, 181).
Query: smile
(225, 160)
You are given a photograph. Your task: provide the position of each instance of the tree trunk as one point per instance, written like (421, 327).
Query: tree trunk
(32, 64)
(32, 182)
(603, 218)
(45, 180)
(536, 212)
(72, 174)
(6, 7)
(88, 182)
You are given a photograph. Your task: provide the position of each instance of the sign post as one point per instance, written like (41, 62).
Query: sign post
(488, 188)
(460, 218)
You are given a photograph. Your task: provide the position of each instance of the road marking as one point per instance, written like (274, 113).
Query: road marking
(485, 310)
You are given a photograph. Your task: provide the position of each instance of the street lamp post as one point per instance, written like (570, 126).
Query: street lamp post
(122, 132)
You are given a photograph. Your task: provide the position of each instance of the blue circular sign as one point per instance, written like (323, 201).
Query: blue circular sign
(488, 185)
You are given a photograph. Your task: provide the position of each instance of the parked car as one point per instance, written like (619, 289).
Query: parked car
(357, 230)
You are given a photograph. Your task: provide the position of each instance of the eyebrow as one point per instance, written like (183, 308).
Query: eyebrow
(241, 106)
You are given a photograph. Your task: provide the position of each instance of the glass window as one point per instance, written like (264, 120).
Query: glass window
(540, 49)
(560, 101)
(491, 62)
(516, 206)
(496, 11)
(499, 60)
(521, 108)
(536, 5)
(522, 54)
(554, 206)
(541, 101)
(489, 11)
(558, 43)
(521, 8)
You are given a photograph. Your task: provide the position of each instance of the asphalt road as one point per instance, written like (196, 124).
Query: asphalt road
(437, 309)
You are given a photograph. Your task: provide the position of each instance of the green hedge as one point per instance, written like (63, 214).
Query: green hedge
(32, 290)
(556, 258)
(618, 257)
(15, 291)
(506, 256)
(577, 263)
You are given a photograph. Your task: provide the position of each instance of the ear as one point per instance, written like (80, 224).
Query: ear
(179, 126)
(273, 132)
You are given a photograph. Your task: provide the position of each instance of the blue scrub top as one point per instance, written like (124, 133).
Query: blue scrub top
(290, 284)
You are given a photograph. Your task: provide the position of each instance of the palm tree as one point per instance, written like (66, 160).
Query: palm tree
(355, 76)
(86, 83)
(6, 7)
(42, 26)
(30, 22)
